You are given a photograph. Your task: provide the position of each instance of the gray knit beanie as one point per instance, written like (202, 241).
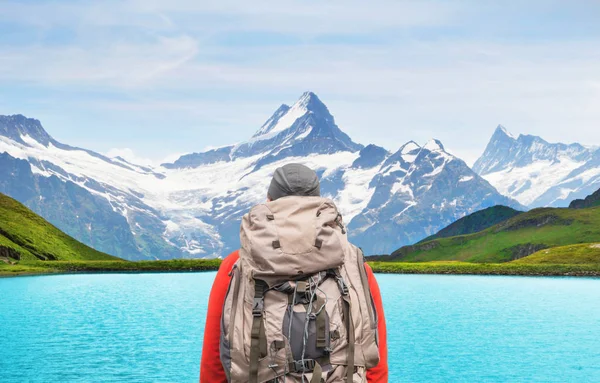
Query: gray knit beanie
(294, 179)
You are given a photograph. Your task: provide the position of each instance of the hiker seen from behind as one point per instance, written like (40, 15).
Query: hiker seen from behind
(297, 302)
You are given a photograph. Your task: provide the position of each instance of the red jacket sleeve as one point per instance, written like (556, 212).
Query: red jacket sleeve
(211, 369)
(379, 373)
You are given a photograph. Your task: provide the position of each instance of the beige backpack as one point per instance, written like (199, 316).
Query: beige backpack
(298, 307)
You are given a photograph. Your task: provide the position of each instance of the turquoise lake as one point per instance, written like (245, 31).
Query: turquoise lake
(148, 328)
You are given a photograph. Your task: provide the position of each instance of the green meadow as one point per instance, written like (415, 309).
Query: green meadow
(512, 239)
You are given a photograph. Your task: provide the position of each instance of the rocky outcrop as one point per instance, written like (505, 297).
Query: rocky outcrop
(9, 253)
(523, 250)
(537, 221)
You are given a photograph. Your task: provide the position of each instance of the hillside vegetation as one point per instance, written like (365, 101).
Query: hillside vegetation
(25, 236)
(472, 223)
(585, 253)
(512, 239)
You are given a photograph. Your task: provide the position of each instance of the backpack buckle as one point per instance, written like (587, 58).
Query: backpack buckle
(303, 365)
(342, 285)
(258, 307)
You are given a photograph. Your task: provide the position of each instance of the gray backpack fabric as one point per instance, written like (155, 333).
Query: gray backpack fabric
(298, 307)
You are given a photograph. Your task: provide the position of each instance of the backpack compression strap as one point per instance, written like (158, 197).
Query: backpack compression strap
(258, 343)
(349, 323)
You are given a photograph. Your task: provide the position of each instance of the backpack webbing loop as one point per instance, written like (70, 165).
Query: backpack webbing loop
(318, 243)
(258, 339)
(278, 345)
(301, 287)
(334, 335)
(317, 373)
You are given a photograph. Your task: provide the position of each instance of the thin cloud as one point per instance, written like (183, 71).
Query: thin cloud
(121, 65)
(301, 17)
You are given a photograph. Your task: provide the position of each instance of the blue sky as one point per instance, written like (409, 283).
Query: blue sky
(155, 78)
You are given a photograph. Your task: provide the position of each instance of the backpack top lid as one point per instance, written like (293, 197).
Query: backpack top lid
(292, 237)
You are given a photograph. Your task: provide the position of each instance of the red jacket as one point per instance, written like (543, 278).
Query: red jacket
(211, 370)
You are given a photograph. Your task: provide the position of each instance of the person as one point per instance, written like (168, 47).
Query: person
(289, 180)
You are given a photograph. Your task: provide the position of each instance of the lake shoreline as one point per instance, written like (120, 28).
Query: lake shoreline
(466, 268)
(92, 272)
(188, 265)
(93, 267)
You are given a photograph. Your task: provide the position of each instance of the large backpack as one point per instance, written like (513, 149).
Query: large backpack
(298, 307)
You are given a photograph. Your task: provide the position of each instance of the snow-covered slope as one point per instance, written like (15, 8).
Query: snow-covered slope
(537, 173)
(192, 207)
(100, 201)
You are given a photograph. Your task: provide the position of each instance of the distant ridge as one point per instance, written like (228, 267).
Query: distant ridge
(589, 201)
(472, 223)
(514, 238)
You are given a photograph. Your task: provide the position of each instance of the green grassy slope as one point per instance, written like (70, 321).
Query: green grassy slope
(514, 238)
(472, 223)
(585, 253)
(26, 236)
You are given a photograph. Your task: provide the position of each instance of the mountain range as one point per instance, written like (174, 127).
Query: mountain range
(191, 208)
(537, 173)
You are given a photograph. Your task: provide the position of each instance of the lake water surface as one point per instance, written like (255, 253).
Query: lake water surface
(148, 328)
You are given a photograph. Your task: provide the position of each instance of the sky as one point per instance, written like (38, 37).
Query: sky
(154, 79)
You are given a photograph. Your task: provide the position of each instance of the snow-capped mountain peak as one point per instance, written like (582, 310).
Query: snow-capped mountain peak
(310, 101)
(305, 128)
(434, 145)
(501, 130)
(285, 116)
